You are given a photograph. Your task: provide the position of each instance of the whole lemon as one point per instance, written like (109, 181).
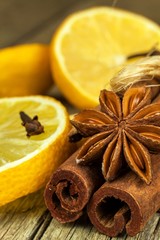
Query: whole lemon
(24, 70)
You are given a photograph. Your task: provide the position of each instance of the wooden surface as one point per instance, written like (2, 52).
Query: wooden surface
(35, 21)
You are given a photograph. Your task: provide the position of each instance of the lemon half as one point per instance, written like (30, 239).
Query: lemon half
(26, 163)
(92, 45)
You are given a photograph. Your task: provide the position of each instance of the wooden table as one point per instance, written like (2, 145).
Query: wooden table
(35, 21)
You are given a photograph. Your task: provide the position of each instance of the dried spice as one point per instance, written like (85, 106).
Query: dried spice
(70, 189)
(120, 132)
(126, 203)
(32, 125)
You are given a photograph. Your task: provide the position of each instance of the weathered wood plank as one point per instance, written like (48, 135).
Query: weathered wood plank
(20, 21)
(83, 229)
(149, 231)
(149, 9)
(28, 219)
(46, 31)
(21, 18)
(24, 21)
(21, 219)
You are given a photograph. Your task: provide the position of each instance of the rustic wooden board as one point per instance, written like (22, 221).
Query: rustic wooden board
(26, 21)
(35, 21)
(28, 219)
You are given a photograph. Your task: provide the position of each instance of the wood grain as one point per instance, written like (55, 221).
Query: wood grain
(27, 21)
(28, 219)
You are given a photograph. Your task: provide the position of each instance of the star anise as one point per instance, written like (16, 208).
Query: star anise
(120, 130)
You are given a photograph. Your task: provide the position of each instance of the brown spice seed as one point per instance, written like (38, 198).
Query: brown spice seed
(32, 126)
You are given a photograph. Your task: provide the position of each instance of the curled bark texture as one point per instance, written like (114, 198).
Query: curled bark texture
(70, 189)
(126, 203)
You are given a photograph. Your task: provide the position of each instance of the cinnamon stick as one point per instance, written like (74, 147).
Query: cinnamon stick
(127, 203)
(70, 189)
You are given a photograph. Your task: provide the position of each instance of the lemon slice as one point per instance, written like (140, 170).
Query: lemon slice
(27, 162)
(90, 46)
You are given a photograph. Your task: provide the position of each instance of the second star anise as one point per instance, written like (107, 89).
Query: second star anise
(120, 130)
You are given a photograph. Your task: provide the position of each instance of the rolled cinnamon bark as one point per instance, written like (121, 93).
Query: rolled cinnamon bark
(70, 189)
(127, 203)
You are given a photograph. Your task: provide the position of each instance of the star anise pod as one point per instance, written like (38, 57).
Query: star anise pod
(120, 130)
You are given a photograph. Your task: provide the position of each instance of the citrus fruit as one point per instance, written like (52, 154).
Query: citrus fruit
(90, 46)
(27, 162)
(24, 70)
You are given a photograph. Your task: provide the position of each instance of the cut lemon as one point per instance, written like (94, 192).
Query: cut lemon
(90, 46)
(27, 162)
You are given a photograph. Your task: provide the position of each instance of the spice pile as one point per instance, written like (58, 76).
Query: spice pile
(114, 175)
